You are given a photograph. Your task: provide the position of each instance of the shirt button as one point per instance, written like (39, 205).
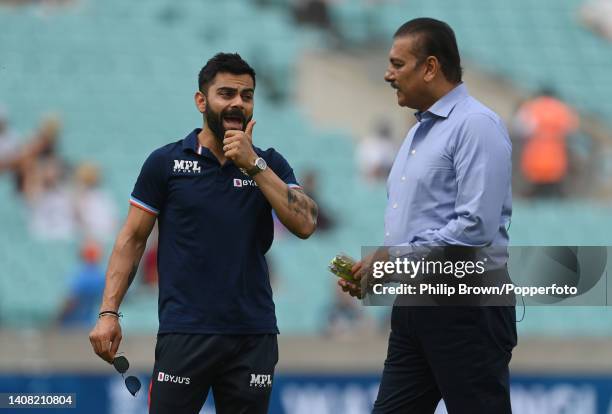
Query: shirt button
(395, 205)
(413, 152)
(403, 178)
(387, 234)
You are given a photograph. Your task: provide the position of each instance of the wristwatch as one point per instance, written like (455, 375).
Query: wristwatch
(258, 166)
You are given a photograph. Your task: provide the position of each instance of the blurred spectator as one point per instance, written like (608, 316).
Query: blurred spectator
(597, 14)
(325, 221)
(49, 200)
(376, 153)
(544, 123)
(312, 12)
(86, 288)
(316, 13)
(96, 212)
(41, 145)
(9, 148)
(346, 317)
(42, 180)
(21, 159)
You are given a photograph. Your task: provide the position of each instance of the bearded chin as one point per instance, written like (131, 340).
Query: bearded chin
(215, 124)
(213, 120)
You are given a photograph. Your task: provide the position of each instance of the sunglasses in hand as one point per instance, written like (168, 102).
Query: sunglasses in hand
(132, 383)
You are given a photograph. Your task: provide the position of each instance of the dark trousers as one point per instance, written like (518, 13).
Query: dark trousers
(238, 368)
(459, 354)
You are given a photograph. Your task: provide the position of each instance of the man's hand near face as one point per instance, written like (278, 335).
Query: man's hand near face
(238, 146)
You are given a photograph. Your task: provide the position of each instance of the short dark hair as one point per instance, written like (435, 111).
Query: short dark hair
(223, 62)
(436, 38)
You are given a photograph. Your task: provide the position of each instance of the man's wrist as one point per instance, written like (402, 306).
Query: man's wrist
(110, 313)
(257, 165)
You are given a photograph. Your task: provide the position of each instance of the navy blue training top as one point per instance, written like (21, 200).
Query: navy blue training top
(215, 226)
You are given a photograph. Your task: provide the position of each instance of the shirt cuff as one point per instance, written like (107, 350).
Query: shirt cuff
(143, 206)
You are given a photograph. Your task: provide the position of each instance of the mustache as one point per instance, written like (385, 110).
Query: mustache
(233, 113)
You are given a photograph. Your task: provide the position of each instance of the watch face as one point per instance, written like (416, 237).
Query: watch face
(261, 163)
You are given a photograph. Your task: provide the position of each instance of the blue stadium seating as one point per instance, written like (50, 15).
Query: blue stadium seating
(123, 77)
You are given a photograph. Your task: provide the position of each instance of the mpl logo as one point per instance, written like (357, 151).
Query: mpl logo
(244, 183)
(163, 377)
(187, 166)
(261, 380)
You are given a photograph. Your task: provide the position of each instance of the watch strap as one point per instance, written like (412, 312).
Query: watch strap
(253, 171)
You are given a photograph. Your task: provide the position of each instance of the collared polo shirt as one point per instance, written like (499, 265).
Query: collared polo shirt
(215, 225)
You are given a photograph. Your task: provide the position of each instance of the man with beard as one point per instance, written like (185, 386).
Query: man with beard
(212, 193)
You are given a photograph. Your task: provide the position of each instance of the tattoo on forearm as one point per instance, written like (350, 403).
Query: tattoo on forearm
(302, 205)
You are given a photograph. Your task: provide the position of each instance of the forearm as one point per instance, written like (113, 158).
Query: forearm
(122, 269)
(294, 208)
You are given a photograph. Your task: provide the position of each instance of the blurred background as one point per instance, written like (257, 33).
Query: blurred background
(89, 88)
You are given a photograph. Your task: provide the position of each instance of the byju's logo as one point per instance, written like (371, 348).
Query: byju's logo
(244, 183)
(261, 380)
(186, 166)
(163, 377)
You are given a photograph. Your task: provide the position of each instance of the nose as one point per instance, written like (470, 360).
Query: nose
(237, 102)
(389, 76)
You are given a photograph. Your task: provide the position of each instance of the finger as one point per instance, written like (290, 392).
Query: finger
(357, 266)
(97, 344)
(353, 292)
(350, 285)
(115, 346)
(94, 344)
(363, 272)
(346, 287)
(230, 139)
(105, 348)
(231, 154)
(249, 127)
(231, 132)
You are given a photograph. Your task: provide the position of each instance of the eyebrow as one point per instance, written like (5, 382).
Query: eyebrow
(230, 89)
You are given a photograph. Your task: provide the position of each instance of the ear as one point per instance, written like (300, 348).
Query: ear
(200, 101)
(432, 67)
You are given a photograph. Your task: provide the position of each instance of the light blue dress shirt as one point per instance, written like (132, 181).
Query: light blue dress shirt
(451, 180)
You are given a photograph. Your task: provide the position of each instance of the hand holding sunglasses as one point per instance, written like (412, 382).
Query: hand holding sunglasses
(132, 383)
